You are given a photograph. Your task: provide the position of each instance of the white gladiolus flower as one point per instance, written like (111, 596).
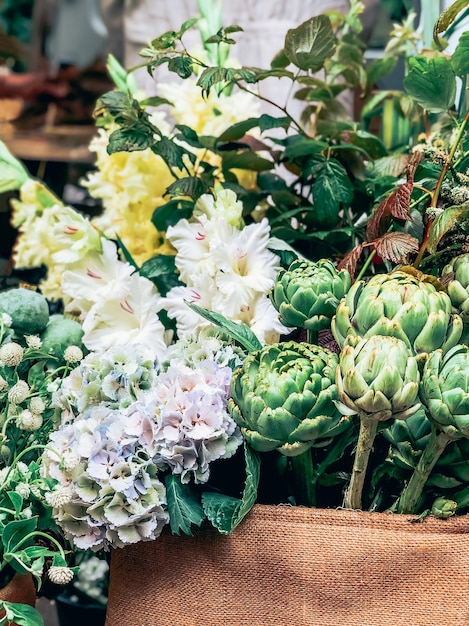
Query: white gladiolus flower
(132, 320)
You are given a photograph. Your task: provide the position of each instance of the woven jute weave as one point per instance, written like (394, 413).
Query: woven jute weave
(20, 589)
(293, 566)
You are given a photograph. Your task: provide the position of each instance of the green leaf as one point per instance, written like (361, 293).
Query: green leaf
(184, 508)
(245, 160)
(130, 139)
(267, 122)
(191, 186)
(158, 266)
(379, 68)
(170, 213)
(299, 146)
(226, 512)
(16, 500)
(12, 173)
(309, 45)
(172, 153)
(238, 130)
(444, 222)
(460, 58)
(127, 256)
(239, 332)
(431, 82)
(15, 531)
(115, 102)
(21, 614)
(182, 66)
(447, 17)
(154, 101)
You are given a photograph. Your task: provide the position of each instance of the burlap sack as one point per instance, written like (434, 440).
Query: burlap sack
(292, 566)
(20, 589)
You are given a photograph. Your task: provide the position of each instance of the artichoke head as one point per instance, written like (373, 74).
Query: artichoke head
(444, 390)
(307, 294)
(402, 306)
(283, 397)
(378, 378)
(458, 288)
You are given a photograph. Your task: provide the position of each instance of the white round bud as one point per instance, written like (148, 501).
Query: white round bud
(60, 575)
(11, 354)
(19, 392)
(73, 354)
(34, 342)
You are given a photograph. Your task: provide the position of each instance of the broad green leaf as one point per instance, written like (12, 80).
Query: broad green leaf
(12, 173)
(21, 614)
(16, 500)
(154, 101)
(444, 222)
(170, 213)
(184, 508)
(191, 186)
(115, 103)
(299, 146)
(15, 531)
(182, 66)
(226, 512)
(158, 266)
(431, 82)
(245, 160)
(309, 45)
(460, 58)
(331, 188)
(239, 332)
(172, 153)
(238, 130)
(130, 139)
(267, 122)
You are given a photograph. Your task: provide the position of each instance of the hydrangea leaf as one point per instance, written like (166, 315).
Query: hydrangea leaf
(226, 512)
(183, 506)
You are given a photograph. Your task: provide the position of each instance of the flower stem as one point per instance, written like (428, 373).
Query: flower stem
(412, 492)
(304, 489)
(312, 336)
(366, 437)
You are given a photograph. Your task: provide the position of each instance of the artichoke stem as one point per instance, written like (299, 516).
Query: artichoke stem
(366, 437)
(312, 336)
(304, 480)
(412, 492)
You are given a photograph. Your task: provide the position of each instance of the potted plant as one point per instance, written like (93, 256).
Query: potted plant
(288, 372)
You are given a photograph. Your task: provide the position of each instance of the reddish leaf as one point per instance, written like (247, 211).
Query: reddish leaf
(396, 204)
(396, 247)
(350, 260)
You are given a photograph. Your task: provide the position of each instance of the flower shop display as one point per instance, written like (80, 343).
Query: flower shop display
(275, 366)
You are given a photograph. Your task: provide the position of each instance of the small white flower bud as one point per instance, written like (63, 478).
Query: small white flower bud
(11, 354)
(5, 452)
(70, 460)
(73, 354)
(29, 421)
(22, 467)
(34, 342)
(60, 575)
(3, 384)
(19, 392)
(35, 491)
(6, 319)
(23, 490)
(59, 497)
(37, 405)
(27, 512)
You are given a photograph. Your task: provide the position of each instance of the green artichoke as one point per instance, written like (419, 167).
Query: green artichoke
(379, 378)
(458, 288)
(398, 305)
(283, 397)
(307, 294)
(444, 391)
